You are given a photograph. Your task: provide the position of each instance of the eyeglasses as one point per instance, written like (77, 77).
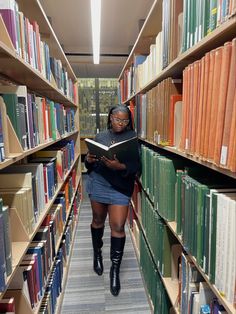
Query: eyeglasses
(118, 120)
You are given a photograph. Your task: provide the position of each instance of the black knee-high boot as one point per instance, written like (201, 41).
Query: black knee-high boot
(97, 234)
(116, 253)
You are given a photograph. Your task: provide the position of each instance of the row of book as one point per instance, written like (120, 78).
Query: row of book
(54, 286)
(209, 110)
(58, 212)
(153, 111)
(201, 208)
(36, 120)
(160, 239)
(40, 264)
(29, 187)
(199, 18)
(26, 38)
(194, 295)
(201, 121)
(155, 287)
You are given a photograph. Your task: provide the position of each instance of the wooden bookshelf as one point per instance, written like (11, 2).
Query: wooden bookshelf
(19, 156)
(15, 70)
(204, 163)
(229, 307)
(226, 31)
(137, 255)
(19, 248)
(171, 286)
(218, 37)
(60, 298)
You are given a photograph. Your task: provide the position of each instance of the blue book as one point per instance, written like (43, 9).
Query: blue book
(38, 250)
(205, 309)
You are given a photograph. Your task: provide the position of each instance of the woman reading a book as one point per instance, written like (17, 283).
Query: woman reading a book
(110, 186)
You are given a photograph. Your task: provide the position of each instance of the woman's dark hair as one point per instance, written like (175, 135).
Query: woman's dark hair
(120, 108)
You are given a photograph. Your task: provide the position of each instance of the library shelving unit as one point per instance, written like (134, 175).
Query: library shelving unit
(15, 70)
(138, 79)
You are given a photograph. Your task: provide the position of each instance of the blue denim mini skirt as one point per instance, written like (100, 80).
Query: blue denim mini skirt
(99, 190)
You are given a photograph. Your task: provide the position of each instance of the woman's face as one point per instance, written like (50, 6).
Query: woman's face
(119, 121)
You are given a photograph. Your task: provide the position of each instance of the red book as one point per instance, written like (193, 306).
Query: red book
(7, 305)
(7, 11)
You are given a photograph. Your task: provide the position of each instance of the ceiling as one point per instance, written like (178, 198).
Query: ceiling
(120, 25)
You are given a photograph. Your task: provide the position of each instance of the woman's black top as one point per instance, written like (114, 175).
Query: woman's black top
(121, 180)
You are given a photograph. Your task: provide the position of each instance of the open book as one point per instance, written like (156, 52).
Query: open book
(124, 150)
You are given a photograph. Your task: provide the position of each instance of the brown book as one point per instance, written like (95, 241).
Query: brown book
(229, 107)
(224, 78)
(215, 101)
(200, 109)
(208, 104)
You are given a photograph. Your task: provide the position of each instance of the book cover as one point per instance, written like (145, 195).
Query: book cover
(3, 275)
(125, 150)
(7, 305)
(7, 12)
(7, 239)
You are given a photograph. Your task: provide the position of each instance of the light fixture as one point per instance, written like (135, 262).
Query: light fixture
(96, 27)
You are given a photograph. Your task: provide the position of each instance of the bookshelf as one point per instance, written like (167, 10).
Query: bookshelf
(55, 93)
(132, 90)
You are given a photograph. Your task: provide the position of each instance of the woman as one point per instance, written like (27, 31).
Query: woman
(110, 186)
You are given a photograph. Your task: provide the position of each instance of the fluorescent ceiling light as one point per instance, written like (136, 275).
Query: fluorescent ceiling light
(96, 26)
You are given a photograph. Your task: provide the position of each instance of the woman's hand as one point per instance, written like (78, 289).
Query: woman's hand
(91, 158)
(113, 163)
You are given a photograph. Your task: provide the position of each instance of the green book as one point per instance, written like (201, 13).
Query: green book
(7, 239)
(11, 103)
(178, 201)
(53, 120)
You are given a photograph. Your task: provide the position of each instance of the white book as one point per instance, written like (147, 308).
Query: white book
(230, 265)
(205, 294)
(196, 304)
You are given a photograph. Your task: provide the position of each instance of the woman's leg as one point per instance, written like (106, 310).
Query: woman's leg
(97, 228)
(117, 219)
(99, 214)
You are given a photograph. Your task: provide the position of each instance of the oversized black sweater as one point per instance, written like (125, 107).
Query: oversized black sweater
(121, 180)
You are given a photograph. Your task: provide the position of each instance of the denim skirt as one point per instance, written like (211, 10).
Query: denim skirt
(101, 191)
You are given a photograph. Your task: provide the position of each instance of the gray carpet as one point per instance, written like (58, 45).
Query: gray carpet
(87, 292)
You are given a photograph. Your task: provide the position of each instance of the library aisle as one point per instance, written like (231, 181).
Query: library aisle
(86, 292)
